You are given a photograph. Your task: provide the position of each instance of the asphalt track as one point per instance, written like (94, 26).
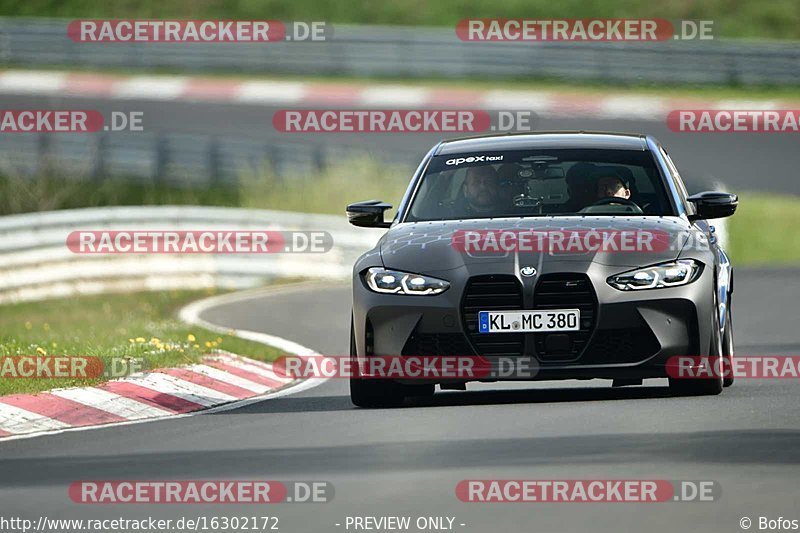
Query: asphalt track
(408, 461)
(744, 162)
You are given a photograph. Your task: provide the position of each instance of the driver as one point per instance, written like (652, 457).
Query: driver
(480, 191)
(612, 186)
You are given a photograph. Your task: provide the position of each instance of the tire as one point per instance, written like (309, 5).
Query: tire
(704, 386)
(727, 346)
(370, 392)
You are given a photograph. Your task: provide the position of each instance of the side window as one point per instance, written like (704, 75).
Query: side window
(676, 178)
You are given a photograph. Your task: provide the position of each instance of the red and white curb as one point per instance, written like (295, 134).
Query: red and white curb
(219, 379)
(222, 381)
(375, 96)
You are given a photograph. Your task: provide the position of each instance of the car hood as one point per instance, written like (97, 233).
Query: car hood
(438, 245)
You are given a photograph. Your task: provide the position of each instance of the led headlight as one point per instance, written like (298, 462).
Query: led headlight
(395, 282)
(671, 274)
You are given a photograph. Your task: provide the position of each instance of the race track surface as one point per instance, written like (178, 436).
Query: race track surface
(408, 461)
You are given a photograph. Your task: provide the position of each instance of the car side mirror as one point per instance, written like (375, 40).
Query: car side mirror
(368, 214)
(712, 204)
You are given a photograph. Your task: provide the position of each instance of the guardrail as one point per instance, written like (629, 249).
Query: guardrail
(175, 158)
(418, 52)
(35, 262)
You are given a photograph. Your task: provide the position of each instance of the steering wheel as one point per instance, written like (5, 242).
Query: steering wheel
(617, 200)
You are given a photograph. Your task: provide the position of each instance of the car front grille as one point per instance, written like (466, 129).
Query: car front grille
(492, 293)
(446, 344)
(565, 291)
(624, 345)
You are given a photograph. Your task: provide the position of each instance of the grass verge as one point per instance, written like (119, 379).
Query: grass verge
(775, 19)
(328, 191)
(763, 232)
(141, 326)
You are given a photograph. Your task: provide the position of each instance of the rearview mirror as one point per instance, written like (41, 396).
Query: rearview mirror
(368, 214)
(711, 204)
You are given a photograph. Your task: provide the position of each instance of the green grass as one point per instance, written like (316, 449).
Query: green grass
(131, 325)
(328, 191)
(775, 19)
(764, 230)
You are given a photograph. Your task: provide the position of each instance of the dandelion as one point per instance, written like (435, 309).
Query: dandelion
(41, 351)
(190, 337)
(54, 344)
(140, 339)
(28, 325)
(208, 344)
(131, 340)
(196, 345)
(154, 340)
(219, 340)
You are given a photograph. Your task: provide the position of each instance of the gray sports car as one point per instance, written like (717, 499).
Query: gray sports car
(570, 255)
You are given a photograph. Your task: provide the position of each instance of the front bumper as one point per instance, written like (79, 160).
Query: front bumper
(631, 335)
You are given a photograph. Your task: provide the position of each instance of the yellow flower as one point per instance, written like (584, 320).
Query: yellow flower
(41, 351)
(219, 340)
(46, 326)
(154, 340)
(28, 325)
(55, 345)
(190, 337)
(196, 345)
(140, 339)
(131, 340)
(208, 344)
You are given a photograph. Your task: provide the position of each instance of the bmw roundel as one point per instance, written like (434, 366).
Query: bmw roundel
(527, 271)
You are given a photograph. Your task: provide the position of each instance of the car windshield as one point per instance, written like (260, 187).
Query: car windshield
(540, 183)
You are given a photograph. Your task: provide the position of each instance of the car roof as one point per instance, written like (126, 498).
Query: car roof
(544, 140)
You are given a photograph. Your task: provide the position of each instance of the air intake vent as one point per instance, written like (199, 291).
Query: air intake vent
(565, 291)
(492, 293)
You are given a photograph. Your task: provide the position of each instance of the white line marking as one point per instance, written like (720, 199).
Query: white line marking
(261, 370)
(17, 420)
(394, 95)
(32, 82)
(111, 403)
(270, 91)
(231, 379)
(181, 388)
(151, 87)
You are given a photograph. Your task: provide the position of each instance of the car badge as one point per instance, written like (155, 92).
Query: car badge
(527, 271)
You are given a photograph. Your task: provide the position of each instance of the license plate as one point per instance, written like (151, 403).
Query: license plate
(529, 321)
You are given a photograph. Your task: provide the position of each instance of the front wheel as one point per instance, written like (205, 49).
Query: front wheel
(705, 386)
(371, 392)
(727, 346)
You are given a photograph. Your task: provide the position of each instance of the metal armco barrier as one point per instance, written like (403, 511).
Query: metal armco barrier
(418, 52)
(35, 262)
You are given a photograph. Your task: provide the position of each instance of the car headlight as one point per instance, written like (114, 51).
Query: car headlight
(396, 282)
(671, 274)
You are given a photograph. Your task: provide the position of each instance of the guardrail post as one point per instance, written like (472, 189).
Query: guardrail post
(99, 163)
(214, 168)
(162, 158)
